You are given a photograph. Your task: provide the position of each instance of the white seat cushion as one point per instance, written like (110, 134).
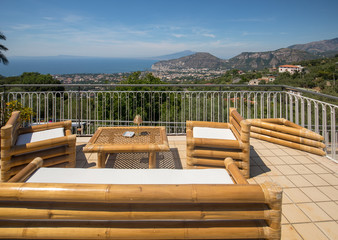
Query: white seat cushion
(131, 176)
(213, 133)
(39, 136)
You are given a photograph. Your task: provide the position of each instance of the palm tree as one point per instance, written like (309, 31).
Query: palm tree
(3, 48)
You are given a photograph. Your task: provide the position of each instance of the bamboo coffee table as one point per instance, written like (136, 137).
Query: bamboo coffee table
(108, 140)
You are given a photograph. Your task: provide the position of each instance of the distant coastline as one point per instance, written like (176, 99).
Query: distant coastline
(71, 65)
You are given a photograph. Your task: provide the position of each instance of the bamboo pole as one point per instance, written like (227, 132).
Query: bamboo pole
(234, 171)
(41, 145)
(27, 171)
(303, 132)
(182, 231)
(216, 154)
(273, 193)
(288, 137)
(289, 144)
(143, 212)
(196, 193)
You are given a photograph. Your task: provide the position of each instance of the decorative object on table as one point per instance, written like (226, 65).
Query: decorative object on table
(286, 133)
(138, 121)
(128, 134)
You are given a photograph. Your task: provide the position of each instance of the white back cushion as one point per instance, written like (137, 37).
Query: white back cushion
(131, 176)
(39, 136)
(213, 133)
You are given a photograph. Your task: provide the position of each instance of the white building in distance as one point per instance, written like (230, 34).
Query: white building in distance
(290, 68)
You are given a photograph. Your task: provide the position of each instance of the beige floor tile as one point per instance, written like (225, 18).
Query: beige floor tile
(330, 229)
(275, 160)
(257, 145)
(330, 191)
(316, 168)
(282, 181)
(265, 153)
(310, 231)
(294, 215)
(294, 152)
(331, 208)
(271, 170)
(314, 212)
(280, 152)
(304, 159)
(284, 220)
(289, 233)
(262, 179)
(314, 194)
(286, 170)
(286, 199)
(315, 180)
(330, 178)
(289, 160)
(299, 181)
(296, 195)
(301, 169)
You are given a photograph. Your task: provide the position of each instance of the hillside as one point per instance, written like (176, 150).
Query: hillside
(261, 60)
(322, 48)
(198, 60)
(173, 56)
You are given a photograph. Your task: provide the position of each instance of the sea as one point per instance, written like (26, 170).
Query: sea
(71, 65)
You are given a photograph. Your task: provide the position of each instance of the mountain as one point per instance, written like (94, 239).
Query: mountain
(173, 56)
(324, 48)
(197, 60)
(261, 60)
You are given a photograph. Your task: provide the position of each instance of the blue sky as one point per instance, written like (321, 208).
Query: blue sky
(144, 28)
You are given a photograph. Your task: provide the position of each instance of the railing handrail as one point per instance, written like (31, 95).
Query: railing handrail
(286, 87)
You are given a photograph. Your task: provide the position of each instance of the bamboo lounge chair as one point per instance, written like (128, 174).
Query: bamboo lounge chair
(133, 210)
(208, 143)
(52, 141)
(283, 132)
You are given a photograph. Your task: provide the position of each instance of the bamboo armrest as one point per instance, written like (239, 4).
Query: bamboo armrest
(41, 145)
(66, 125)
(26, 172)
(232, 168)
(191, 124)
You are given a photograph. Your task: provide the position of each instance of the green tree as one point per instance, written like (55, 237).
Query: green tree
(3, 58)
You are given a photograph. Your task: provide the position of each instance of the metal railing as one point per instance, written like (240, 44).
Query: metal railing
(95, 105)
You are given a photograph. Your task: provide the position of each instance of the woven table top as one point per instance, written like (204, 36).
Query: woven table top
(114, 135)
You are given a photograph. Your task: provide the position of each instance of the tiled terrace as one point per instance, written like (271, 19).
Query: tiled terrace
(310, 182)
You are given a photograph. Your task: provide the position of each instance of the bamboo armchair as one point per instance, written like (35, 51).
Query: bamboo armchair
(52, 142)
(140, 211)
(208, 143)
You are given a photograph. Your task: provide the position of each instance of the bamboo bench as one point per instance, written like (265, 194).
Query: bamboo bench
(140, 211)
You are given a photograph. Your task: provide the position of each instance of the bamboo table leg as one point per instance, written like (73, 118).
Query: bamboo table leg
(152, 159)
(101, 159)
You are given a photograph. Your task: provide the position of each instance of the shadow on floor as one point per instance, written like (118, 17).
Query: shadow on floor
(169, 160)
(257, 165)
(81, 160)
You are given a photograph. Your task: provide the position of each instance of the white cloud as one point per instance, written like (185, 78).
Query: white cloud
(179, 35)
(209, 35)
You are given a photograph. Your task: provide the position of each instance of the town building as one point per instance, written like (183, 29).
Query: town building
(290, 68)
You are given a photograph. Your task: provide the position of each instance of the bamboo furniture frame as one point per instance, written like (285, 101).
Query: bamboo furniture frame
(286, 133)
(55, 151)
(108, 140)
(202, 152)
(103, 211)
